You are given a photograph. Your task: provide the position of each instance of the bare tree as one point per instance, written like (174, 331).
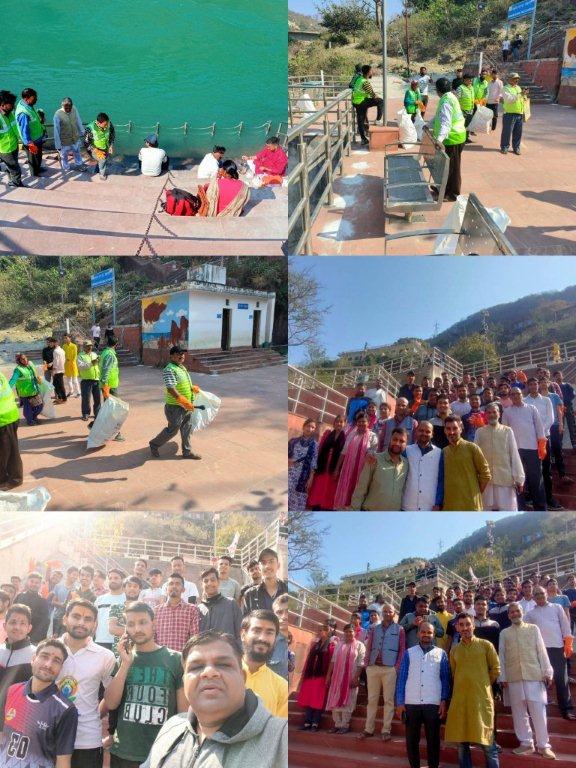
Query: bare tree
(305, 539)
(305, 312)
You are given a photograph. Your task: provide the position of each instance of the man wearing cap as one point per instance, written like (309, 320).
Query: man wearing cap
(68, 131)
(449, 129)
(178, 406)
(513, 98)
(89, 372)
(153, 160)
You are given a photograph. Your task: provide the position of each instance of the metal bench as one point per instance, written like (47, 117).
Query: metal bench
(478, 235)
(408, 177)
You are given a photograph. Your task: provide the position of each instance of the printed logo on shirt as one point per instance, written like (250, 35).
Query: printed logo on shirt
(68, 687)
(10, 714)
(42, 726)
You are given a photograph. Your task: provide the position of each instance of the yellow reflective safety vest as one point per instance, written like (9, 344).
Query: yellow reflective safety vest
(9, 136)
(9, 412)
(514, 107)
(100, 136)
(92, 373)
(457, 134)
(34, 123)
(358, 93)
(183, 383)
(465, 95)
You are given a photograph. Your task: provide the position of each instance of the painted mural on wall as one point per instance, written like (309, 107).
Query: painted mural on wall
(569, 58)
(165, 321)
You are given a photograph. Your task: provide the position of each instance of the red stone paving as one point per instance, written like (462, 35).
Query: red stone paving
(79, 214)
(535, 189)
(243, 464)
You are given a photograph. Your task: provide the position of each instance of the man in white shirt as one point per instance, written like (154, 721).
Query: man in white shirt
(153, 596)
(531, 441)
(543, 405)
(87, 667)
(96, 332)
(190, 589)
(423, 81)
(377, 394)
(153, 160)
(462, 406)
(527, 601)
(103, 603)
(210, 165)
(228, 587)
(554, 626)
(58, 362)
(494, 96)
(525, 673)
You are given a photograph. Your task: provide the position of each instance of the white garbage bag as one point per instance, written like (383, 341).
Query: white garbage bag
(447, 244)
(419, 124)
(305, 105)
(47, 392)
(408, 135)
(201, 418)
(109, 422)
(482, 120)
(35, 500)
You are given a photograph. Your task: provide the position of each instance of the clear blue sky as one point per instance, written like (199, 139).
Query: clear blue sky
(380, 299)
(384, 538)
(309, 7)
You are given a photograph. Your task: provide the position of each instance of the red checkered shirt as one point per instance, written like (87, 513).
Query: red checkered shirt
(176, 624)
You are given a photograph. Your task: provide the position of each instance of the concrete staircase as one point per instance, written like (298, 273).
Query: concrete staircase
(238, 359)
(79, 214)
(324, 750)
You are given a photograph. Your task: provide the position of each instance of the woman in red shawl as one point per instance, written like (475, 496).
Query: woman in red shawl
(325, 480)
(312, 694)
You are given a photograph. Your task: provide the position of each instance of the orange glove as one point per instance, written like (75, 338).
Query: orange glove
(195, 389)
(542, 448)
(186, 404)
(32, 148)
(105, 391)
(568, 646)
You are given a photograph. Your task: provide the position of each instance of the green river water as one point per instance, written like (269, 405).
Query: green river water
(222, 62)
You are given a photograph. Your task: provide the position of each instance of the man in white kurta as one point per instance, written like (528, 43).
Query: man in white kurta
(525, 674)
(498, 445)
(423, 470)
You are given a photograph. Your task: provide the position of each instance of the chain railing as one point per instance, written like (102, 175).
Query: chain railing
(551, 354)
(310, 398)
(317, 145)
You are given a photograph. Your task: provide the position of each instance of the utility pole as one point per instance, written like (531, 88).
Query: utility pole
(406, 15)
(384, 61)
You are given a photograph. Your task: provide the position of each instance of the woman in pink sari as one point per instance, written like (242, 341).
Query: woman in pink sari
(342, 680)
(358, 442)
(225, 195)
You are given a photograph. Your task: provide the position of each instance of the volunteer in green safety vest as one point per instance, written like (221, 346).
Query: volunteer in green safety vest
(110, 372)
(9, 138)
(179, 405)
(465, 94)
(448, 128)
(514, 103)
(480, 86)
(27, 383)
(89, 372)
(11, 470)
(364, 97)
(413, 100)
(31, 130)
(99, 141)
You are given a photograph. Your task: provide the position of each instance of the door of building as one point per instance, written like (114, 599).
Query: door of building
(226, 328)
(256, 328)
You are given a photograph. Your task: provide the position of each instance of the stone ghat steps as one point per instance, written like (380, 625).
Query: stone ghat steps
(235, 360)
(323, 750)
(79, 214)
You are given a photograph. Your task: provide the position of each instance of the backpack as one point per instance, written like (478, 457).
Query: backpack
(180, 203)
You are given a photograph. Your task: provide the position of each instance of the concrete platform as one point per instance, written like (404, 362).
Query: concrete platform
(243, 464)
(535, 190)
(78, 214)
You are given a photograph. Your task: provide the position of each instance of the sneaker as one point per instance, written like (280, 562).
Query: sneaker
(523, 750)
(154, 451)
(334, 730)
(517, 152)
(85, 418)
(305, 727)
(503, 151)
(190, 455)
(547, 753)
(386, 737)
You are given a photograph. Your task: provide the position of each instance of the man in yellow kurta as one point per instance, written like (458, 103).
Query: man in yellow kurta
(258, 634)
(475, 667)
(465, 471)
(71, 367)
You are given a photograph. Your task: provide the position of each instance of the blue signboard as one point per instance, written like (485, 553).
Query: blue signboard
(522, 8)
(106, 277)
(242, 306)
